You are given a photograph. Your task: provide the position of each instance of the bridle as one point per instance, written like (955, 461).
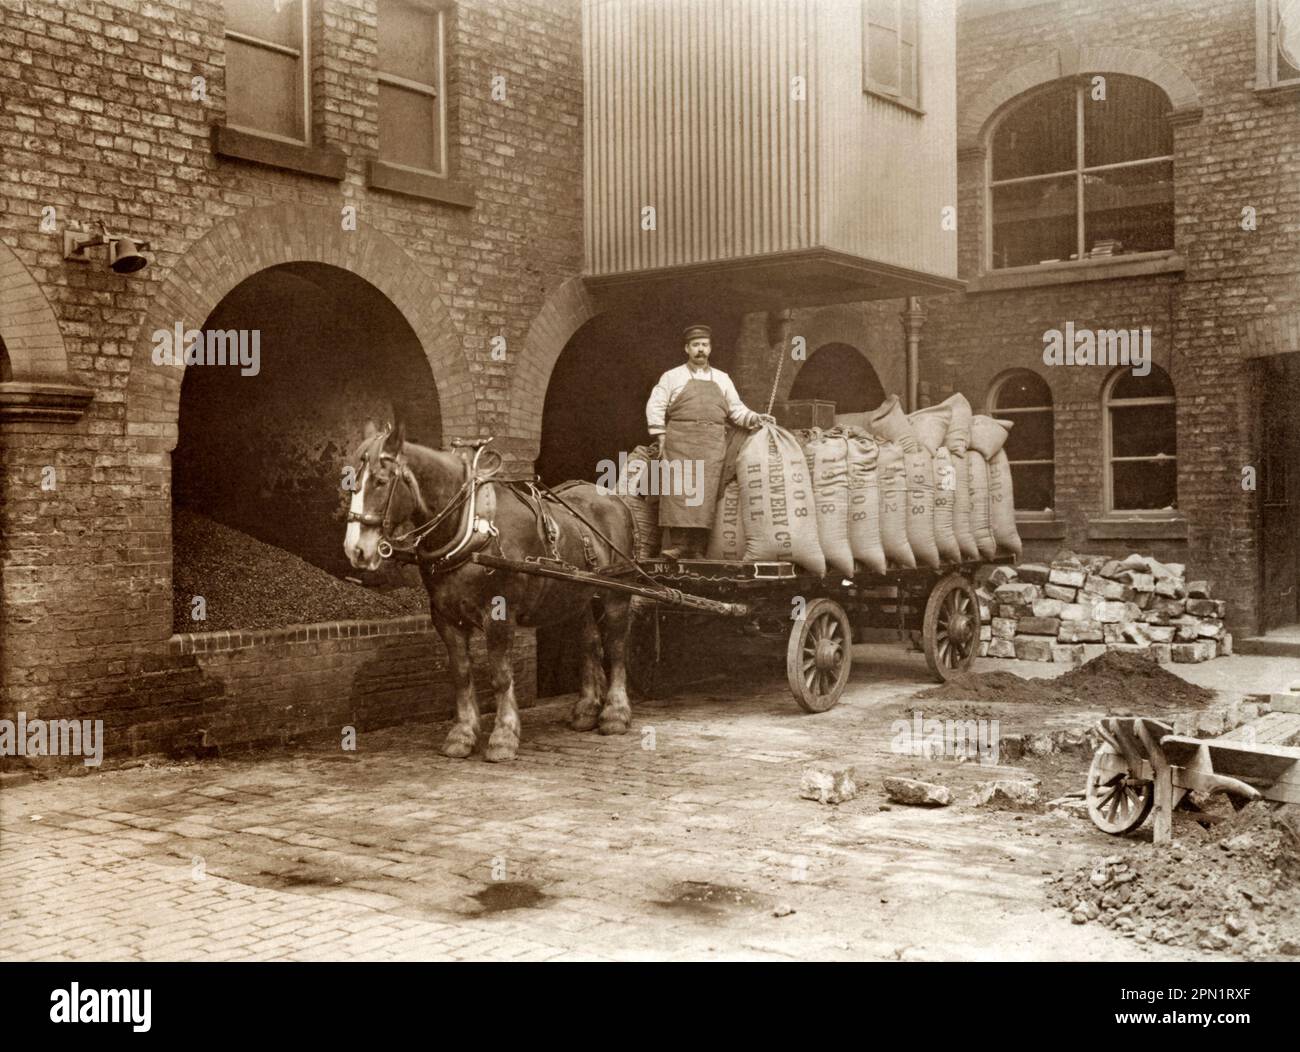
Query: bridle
(473, 531)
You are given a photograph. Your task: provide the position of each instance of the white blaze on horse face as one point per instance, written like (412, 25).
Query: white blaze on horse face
(352, 538)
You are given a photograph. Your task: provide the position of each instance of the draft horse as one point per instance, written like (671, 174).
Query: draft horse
(457, 508)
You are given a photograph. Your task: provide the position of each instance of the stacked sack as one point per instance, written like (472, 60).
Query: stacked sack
(635, 490)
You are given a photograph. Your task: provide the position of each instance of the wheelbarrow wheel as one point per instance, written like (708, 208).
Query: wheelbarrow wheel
(1117, 802)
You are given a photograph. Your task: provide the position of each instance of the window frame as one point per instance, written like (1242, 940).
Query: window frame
(871, 86)
(1268, 14)
(438, 10)
(1010, 413)
(1108, 446)
(303, 55)
(1081, 82)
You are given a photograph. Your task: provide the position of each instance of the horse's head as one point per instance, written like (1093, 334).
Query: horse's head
(382, 499)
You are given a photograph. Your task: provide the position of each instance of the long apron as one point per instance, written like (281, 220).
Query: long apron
(695, 437)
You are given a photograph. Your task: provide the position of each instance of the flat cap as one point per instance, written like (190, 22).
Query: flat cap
(694, 332)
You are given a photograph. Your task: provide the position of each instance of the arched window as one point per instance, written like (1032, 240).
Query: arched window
(1082, 169)
(1024, 398)
(1141, 441)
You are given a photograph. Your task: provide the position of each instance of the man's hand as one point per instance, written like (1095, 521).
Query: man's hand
(759, 419)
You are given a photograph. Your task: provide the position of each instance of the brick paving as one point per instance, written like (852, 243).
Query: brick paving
(681, 840)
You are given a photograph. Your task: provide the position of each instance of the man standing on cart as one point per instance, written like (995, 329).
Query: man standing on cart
(689, 409)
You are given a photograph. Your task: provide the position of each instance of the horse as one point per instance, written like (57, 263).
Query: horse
(460, 509)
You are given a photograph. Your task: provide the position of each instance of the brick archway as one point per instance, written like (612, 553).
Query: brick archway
(265, 237)
(854, 327)
(1069, 61)
(565, 311)
(27, 324)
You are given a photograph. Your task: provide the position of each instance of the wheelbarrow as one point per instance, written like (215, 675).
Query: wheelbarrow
(1142, 766)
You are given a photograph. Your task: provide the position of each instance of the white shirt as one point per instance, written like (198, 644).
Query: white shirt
(672, 383)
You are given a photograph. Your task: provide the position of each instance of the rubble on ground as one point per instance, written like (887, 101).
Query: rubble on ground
(828, 786)
(1233, 887)
(917, 793)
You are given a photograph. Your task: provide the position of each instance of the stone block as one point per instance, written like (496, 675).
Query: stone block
(1056, 591)
(1136, 633)
(828, 786)
(1001, 648)
(1067, 578)
(1018, 593)
(1198, 589)
(1192, 653)
(1068, 653)
(1033, 573)
(1003, 628)
(1093, 650)
(1161, 633)
(1209, 630)
(1080, 632)
(1033, 648)
(1161, 653)
(1039, 626)
(1225, 645)
(1111, 634)
(1048, 608)
(1108, 611)
(1075, 612)
(917, 793)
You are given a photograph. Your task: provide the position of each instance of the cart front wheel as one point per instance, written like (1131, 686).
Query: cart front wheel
(1117, 802)
(819, 656)
(951, 630)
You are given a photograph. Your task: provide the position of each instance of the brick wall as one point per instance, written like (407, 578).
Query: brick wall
(97, 121)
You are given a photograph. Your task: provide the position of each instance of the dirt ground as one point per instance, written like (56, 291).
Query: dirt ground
(686, 839)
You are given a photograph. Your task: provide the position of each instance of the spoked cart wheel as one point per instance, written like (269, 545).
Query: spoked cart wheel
(951, 629)
(819, 656)
(1117, 801)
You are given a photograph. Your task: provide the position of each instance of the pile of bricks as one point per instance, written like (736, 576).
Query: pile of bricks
(1082, 606)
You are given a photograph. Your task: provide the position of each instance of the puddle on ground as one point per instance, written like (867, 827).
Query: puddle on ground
(508, 895)
(701, 898)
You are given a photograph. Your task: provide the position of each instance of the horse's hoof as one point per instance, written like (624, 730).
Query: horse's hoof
(584, 721)
(614, 725)
(501, 746)
(457, 749)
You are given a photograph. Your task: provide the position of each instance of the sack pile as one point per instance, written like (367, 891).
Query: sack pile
(634, 490)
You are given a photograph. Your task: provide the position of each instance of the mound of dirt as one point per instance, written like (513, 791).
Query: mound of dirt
(1115, 681)
(1234, 888)
(248, 584)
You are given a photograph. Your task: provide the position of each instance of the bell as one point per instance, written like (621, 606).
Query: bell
(125, 257)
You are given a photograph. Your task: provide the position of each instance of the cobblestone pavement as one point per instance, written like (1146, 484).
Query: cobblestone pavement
(685, 839)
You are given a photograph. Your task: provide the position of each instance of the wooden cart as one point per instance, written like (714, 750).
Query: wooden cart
(1142, 766)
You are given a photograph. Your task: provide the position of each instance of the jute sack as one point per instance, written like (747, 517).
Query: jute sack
(891, 473)
(634, 490)
(979, 500)
(727, 541)
(777, 501)
(987, 435)
(864, 505)
(945, 499)
(958, 439)
(829, 453)
(888, 423)
(1002, 508)
(961, 511)
(931, 425)
(920, 507)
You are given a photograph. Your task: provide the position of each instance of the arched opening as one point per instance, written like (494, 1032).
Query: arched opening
(264, 439)
(6, 368)
(838, 373)
(1024, 398)
(595, 409)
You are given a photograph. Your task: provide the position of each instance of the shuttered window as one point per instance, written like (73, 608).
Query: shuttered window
(266, 67)
(890, 44)
(411, 113)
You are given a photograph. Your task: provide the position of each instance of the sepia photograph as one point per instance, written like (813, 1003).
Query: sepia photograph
(650, 481)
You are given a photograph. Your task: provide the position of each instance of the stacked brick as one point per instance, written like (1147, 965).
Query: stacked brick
(1079, 607)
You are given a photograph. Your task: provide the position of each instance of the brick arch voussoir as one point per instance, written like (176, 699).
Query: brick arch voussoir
(265, 237)
(1065, 62)
(28, 326)
(565, 311)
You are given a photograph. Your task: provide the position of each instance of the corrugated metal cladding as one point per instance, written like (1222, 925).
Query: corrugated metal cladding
(691, 109)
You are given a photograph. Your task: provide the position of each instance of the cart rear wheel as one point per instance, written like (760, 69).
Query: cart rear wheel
(819, 656)
(1117, 803)
(644, 647)
(951, 630)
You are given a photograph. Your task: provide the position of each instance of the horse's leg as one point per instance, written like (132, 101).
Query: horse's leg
(463, 735)
(616, 716)
(586, 710)
(504, 742)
